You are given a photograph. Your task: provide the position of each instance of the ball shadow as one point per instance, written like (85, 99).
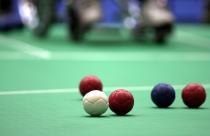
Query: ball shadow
(168, 108)
(88, 116)
(180, 108)
(127, 115)
(200, 108)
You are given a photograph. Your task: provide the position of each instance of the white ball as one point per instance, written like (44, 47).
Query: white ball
(95, 103)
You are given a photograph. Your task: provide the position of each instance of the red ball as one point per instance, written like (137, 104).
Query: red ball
(121, 101)
(194, 95)
(90, 83)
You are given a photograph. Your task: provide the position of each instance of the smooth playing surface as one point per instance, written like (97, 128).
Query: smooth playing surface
(39, 81)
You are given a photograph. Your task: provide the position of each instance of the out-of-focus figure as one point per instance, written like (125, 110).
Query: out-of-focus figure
(207, 11)
(82, 14)
(38, 15)
(155, 15)
(142, 18)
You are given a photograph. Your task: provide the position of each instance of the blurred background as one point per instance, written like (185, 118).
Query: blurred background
(140, 17)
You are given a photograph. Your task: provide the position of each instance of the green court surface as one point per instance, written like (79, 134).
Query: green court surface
(39, 83)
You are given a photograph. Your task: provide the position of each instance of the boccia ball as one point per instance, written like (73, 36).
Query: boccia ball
(90, 83)
(193, 95)
(121, 101)
(163, 95)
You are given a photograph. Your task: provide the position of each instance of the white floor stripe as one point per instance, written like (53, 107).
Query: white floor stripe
(12, 55)
(25, 47)
(132, 56)
(75, 90)
(114, 56)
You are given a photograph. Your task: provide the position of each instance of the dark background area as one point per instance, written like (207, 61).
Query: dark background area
(185, 11)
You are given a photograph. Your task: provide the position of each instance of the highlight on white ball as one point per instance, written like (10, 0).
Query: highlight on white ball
(95, 103)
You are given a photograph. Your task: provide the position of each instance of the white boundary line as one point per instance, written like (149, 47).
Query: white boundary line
(12, 55)
(25, 47)
(75, 90)
(114, 56)
(131, 56)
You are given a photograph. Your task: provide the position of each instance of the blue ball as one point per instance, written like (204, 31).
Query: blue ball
(163, 95)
